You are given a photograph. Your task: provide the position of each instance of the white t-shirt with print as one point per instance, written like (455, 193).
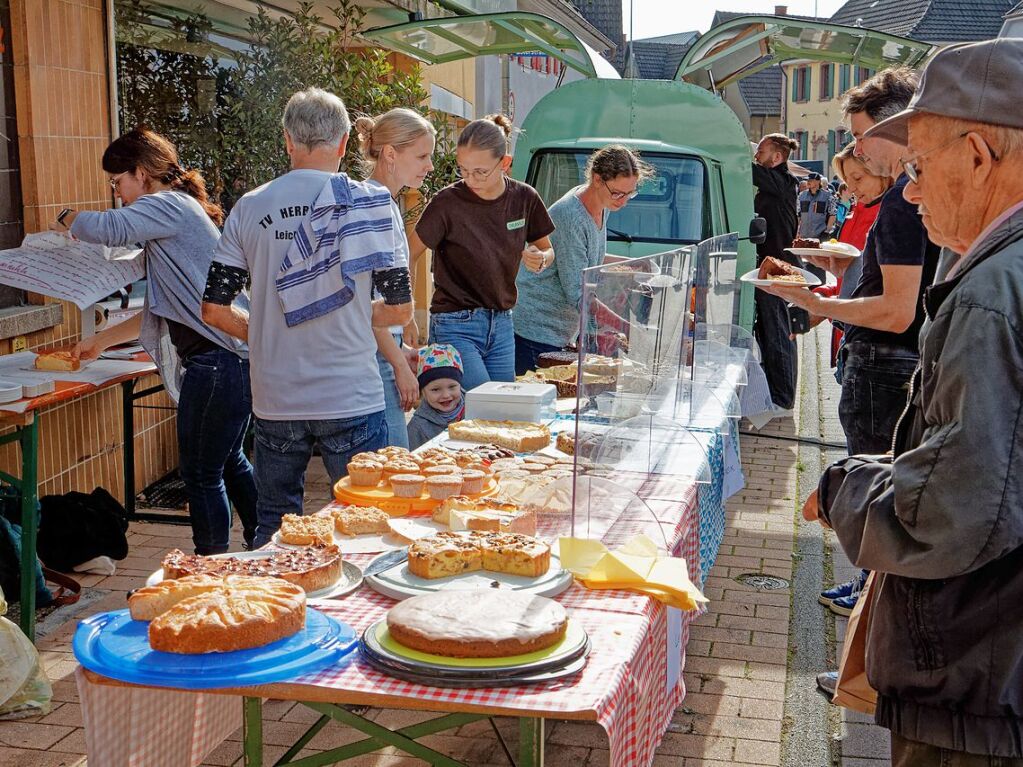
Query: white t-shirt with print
(324, 368)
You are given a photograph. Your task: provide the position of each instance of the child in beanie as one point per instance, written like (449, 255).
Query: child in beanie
(442, 400)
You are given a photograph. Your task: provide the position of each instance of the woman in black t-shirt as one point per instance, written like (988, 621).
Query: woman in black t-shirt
(480, 229)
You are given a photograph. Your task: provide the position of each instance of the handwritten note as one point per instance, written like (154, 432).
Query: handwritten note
(59, 267)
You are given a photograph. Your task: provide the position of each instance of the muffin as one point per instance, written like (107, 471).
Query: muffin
(364, 473)
(372, 457)
(400, 467)
(438, 471)
(407, 485)
(444, 486)
(393, 451)
(480, 466)
(472, 481)
(427, 463)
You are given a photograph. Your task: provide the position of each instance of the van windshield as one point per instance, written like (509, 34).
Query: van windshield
(670, 207)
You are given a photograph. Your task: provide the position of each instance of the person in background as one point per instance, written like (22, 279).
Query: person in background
(443, 398)
(315, 245)
(883, 316)
(843, 205)
(398, 150)
(480, 230)
(775, 202)
(547, 313)
(941, 519)
(206, 371)
(817, 210)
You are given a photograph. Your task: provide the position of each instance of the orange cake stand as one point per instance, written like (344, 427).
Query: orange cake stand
(383, 498)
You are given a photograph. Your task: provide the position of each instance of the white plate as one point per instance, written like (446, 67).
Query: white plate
(398, 583)
(826, 252)
(350, 580)
(372, 543)
(751, 278)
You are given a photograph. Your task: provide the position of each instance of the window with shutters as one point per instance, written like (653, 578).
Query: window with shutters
(801, 84)
(827, 86)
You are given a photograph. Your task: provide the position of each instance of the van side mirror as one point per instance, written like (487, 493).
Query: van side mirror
(758, 230)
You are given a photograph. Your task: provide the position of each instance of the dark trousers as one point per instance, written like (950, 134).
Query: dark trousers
(213, 414)
(910, 753)
(527, 353)
(772, 330)
(875, 387)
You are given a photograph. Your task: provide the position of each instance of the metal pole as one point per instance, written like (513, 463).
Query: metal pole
(28, 437)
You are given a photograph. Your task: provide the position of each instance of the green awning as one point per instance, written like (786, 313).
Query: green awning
(747, 44)
(436, 41)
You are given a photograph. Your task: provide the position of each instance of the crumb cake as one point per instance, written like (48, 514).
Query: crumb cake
(477, 624)
(520, 436)
(453, 553)
(312, 568)
(194, 616)
(307, 531)
(359, 520)
(772, 268)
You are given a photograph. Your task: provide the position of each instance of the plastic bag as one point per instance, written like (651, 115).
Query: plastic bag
(24, 688)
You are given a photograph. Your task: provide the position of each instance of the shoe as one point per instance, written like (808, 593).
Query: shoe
(844, 605)
(843, 589)
(827, 683)
(777, 411)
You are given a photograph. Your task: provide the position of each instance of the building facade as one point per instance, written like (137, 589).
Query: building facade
(813, 90)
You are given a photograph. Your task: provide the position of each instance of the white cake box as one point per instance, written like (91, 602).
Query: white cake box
(506, 401)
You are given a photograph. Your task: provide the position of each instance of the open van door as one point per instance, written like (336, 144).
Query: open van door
(745, 45)
(452, 38)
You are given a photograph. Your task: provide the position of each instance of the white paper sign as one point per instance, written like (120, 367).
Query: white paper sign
(674, 665)
(59, 267)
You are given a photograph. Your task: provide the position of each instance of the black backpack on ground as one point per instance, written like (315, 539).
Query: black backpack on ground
(76, 527)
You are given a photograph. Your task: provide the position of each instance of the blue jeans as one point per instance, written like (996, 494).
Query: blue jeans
(485, 339)
(283, 450)
(213, 415)
(527, 353)
(397, 429)
(875, 386)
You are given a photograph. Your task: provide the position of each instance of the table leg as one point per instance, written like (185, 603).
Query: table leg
(28, 438)
(252, 729)
(530, 742)
(128, 448)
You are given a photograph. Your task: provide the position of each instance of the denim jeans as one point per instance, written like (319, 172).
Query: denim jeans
(213, 414)
(484, 338)
(771, 328)
(397, 428)
(910, 753)
(875, 386)
(528, 352)
(283, 450)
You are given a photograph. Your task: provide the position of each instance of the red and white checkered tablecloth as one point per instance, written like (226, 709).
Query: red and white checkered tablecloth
(624, 681)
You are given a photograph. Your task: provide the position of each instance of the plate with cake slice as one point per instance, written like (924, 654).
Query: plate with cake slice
(456, 561)
(774, 271)
(318, 570)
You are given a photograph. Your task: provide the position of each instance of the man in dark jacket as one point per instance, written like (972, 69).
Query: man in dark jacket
(941, 522)
(776, 204)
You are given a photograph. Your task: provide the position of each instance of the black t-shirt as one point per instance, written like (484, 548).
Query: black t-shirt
(776, 203)
(187, 342)
(898, 238)
(477, 244)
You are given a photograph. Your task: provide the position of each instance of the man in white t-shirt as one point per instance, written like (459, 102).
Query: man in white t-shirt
(314, 381)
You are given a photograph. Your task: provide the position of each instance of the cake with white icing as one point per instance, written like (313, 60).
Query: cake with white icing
(477, 624)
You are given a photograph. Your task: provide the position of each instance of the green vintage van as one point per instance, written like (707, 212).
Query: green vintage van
(703, 186)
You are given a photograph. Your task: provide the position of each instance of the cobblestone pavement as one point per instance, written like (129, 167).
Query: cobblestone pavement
(736, 671)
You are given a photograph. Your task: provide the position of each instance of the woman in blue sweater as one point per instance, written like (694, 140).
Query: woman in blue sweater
(168, 214)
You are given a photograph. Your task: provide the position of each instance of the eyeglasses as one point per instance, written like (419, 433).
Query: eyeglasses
(477, 175)
(616, 195)
(115, 181)
(914, 172)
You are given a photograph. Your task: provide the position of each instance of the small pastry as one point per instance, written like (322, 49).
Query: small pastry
(472, 481)
(438, 471)
(364, 473)
(444, 486)
(407, 485)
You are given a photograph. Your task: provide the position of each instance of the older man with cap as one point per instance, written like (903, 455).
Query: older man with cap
(817, 209)
(941, 522)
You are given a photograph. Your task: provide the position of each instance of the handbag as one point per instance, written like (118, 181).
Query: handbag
(853, 691)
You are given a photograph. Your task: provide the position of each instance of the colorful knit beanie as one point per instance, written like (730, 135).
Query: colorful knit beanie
(439, 361)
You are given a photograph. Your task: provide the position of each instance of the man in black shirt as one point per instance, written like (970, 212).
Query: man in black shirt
(776, 204)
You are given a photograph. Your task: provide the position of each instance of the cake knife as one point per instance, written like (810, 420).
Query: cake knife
(386, 561)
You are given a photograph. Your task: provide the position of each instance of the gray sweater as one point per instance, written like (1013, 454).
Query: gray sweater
(178, 240)
(426, 423)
